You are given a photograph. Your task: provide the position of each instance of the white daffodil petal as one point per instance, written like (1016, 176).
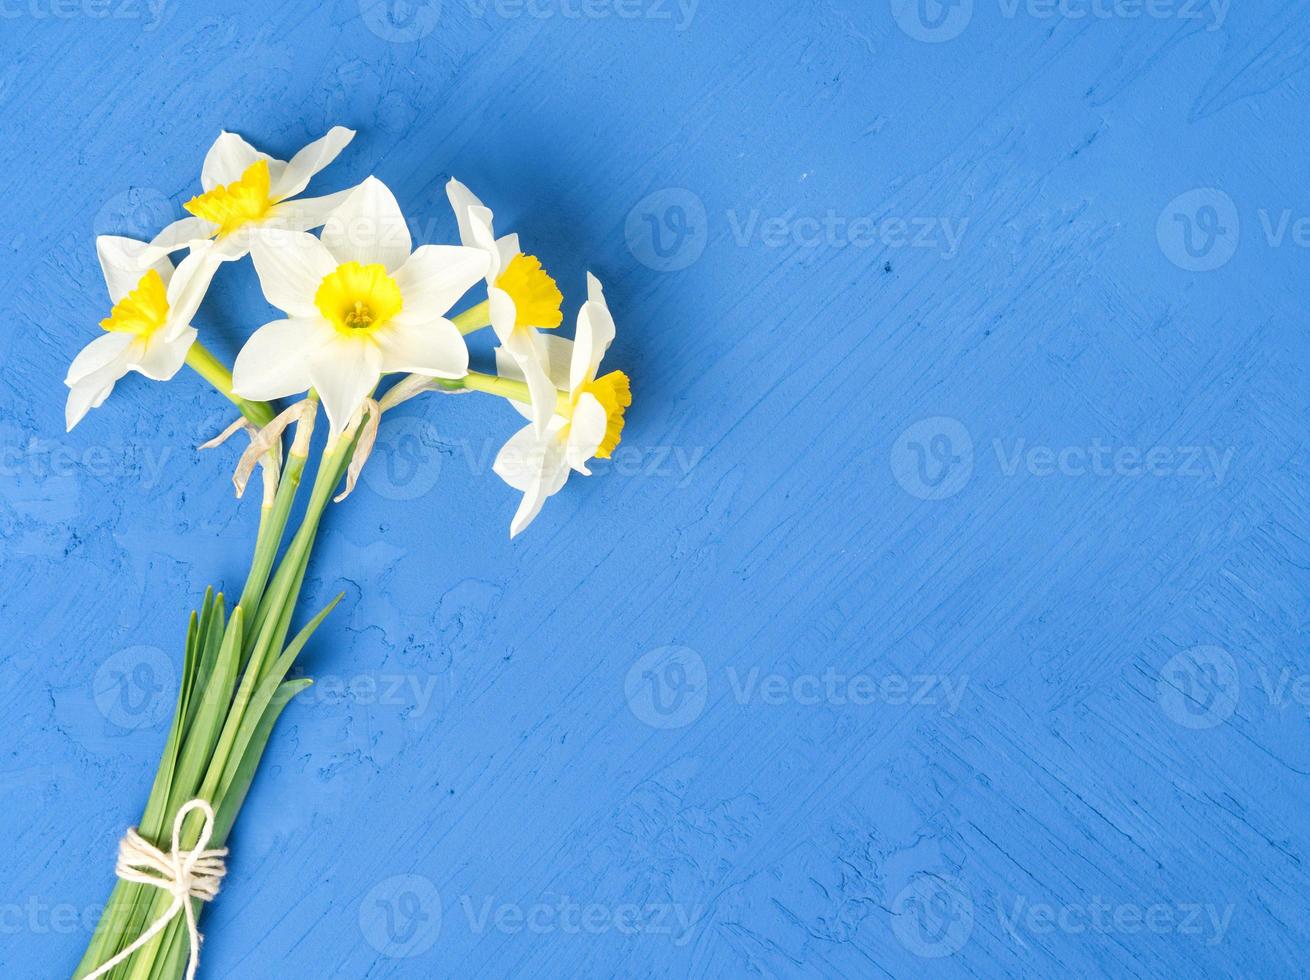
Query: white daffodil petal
(96, 356)
(506, 249)
(345, 370)
(309, 161)
(507, 366)
(190, 283)
(482, 235)
(504, 315)
(162, 357)
(124, 261)
(229, 158)
(236, 245)
(540, 387)
(183, 233)
(434, 348)
(274, 362)
(434, 278)
(462, 201)
(594, 335)
(369, 227)
(305, 213)
(534, 466)
(586, 432)
(291, 266)
(556, 354)
(84, 397)
(519, 461)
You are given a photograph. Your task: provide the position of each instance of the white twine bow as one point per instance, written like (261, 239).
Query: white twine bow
(185, 875)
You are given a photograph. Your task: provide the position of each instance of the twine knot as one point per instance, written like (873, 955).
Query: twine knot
(185, 874)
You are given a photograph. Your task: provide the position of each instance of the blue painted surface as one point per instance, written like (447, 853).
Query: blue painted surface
(965, 679)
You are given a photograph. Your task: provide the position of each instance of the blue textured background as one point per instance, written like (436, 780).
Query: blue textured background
(954, 691)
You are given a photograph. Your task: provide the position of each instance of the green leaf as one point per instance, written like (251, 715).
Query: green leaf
(264, 694)
(245, 771)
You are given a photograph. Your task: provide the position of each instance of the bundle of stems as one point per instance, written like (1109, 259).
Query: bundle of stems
(234, 686)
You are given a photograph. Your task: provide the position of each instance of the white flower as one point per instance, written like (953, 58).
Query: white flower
(358, 305)
(149, 329)
(248, 195)
(586, 420)
(522, 297)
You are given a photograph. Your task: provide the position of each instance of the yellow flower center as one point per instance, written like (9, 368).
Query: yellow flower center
(142, 311)
(237, 203)
(358, 297)
(614, 392)
(537, 300)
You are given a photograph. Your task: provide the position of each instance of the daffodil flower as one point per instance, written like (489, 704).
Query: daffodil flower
(149, 329)
(521, 296)
(586, 421)
(247, 195)
(359, 305)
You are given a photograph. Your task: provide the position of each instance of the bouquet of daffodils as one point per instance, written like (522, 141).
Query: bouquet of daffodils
(361, 303)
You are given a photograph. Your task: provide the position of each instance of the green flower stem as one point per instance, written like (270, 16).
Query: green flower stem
(212, 370)
(167, 956)
(510, 388)
(474, 318)
(133, 907)
(492, 385)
